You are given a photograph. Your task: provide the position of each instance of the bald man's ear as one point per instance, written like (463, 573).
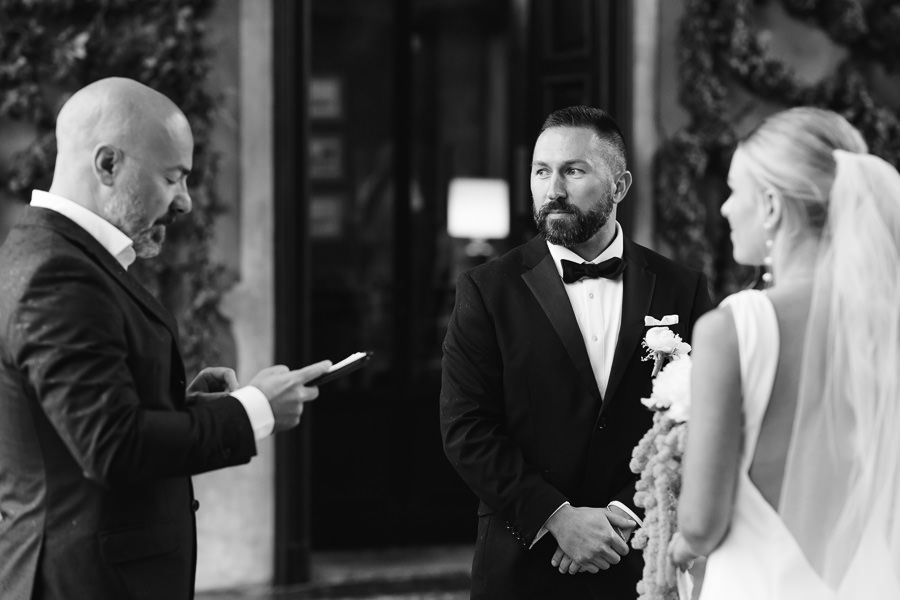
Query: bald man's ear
(107, 161)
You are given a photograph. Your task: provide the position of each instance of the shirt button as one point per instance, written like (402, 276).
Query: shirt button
(594, 338)
(591, 295)
(195, 505)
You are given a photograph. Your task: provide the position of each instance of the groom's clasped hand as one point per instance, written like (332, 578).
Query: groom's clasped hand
(588, 538)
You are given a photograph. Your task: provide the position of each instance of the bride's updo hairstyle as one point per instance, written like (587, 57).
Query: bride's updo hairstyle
(792, 153)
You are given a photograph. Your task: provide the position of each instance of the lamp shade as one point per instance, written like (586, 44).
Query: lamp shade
(477, 208)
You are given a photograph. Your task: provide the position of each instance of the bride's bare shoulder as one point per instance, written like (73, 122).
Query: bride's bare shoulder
(791, 303)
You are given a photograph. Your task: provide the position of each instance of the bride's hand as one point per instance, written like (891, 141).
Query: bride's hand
(680, 553)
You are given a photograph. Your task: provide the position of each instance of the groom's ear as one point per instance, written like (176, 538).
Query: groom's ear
(622, 185)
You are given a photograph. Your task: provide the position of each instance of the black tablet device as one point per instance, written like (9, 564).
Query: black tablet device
(348, 365)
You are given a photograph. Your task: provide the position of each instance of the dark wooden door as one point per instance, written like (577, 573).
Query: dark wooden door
(402, 95)
(567, 52)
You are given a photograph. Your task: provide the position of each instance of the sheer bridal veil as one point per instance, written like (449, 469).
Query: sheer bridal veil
(841, 488)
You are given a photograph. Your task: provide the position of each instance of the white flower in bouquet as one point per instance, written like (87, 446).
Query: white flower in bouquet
(672, 390)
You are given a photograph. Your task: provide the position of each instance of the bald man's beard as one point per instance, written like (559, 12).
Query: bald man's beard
(148, 243)
(126, 212)
(570, 232)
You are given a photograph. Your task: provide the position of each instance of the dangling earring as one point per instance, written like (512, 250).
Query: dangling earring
(768, 277)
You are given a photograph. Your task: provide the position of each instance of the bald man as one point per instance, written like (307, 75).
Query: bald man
(98, 433)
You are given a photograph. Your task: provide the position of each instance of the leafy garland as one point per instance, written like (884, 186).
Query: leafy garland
(50, 48)
(720, 52)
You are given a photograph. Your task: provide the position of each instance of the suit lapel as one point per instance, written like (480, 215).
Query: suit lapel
(636, 296)
(543, 280)
(65, 227)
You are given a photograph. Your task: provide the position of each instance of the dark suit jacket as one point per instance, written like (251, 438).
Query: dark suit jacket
(522, 418)
(97, 442)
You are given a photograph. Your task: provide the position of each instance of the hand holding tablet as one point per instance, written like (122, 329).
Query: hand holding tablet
(348, 365)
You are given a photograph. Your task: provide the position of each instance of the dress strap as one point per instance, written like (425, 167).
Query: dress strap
(758, 345)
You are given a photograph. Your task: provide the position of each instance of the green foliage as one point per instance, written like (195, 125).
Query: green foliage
(724, 72)
(49, 49)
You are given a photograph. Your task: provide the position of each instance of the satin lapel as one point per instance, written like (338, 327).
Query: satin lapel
(544, 282)
(636, 296)
(74, 233)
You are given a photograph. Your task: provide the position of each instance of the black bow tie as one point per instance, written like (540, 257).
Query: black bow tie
(610, 269)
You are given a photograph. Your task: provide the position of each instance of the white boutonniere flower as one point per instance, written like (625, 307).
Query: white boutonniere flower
(663, 344)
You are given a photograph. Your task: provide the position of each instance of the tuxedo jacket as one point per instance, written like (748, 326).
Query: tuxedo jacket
(97, 441)
(522, 418)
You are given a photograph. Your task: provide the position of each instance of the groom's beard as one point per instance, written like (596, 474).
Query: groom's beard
(568, 232)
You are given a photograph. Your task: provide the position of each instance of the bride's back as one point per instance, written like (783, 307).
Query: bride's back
(791, 302)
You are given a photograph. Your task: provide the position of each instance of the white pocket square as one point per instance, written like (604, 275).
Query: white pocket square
(666, 320)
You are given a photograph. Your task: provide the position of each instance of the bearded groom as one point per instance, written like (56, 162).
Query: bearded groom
(542, 376)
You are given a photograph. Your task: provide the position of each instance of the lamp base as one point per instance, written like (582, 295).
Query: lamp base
(479, 248)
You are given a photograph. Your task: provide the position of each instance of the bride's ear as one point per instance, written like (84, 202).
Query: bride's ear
(772, 207)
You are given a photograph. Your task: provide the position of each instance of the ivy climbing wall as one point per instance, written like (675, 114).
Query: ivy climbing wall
(50, 48)
(733, 70)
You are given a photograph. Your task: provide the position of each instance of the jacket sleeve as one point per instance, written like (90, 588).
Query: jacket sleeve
(473, 421)
(68, 342)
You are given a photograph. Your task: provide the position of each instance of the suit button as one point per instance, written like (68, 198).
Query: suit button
(226, 453)
(195, 505)
(601, 425)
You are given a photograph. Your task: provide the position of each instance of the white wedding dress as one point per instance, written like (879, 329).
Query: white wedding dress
(759, 559)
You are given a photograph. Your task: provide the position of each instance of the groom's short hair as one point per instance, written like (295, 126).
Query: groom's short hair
(593, 118)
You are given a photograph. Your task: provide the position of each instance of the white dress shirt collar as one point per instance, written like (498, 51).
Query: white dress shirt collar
(107, 235)
(615, 249)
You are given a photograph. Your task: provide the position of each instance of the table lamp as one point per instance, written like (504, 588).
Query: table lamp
(478, 210)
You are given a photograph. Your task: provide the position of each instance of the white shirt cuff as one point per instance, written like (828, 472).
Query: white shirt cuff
(543, 530)
(258, 410)
(627, 511)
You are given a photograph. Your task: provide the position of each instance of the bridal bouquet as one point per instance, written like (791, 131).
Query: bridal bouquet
(657, 459)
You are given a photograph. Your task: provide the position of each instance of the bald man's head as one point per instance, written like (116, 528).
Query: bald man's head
(124, 151)
(113, 110)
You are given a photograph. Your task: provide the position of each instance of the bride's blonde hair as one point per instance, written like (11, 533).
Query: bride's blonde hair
(792, 153)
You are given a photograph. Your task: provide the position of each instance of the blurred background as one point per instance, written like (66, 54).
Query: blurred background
(355, 156)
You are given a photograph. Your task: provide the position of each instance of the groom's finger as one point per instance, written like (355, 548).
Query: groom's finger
(619, 522)
(591, 568)
(596, 564)
(564, 564)
(557, 557)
